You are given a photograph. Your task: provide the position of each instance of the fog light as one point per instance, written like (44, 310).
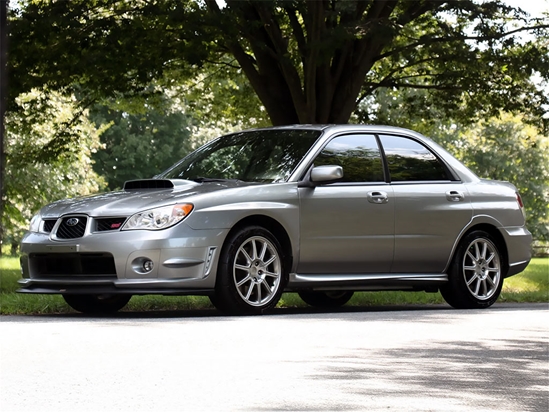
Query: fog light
(143, 265)
(148, 265)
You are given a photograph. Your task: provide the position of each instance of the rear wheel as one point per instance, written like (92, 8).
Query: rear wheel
(320, 299)
(251, 275)
(475, 278)
(97, 304)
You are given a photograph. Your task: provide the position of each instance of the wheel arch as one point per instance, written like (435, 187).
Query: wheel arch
(273, 226)
(494, 232)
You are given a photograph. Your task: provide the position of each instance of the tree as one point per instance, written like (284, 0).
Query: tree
(3, 101)
(31, 183)
(307, 61)
(137, 145)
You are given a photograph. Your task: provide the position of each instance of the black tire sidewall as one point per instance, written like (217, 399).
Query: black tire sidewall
(320, 299)
(93, 304)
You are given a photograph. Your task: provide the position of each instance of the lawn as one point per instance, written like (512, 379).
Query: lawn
(530, 286)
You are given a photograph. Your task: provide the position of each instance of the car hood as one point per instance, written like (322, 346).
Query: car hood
(127, 202)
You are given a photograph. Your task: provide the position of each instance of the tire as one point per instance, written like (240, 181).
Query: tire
(475, 277)
(332, 299)
(97, 304)
(251, 274)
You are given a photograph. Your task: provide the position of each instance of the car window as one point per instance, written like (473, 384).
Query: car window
(358, 155)
(253, 156)
(409, 160)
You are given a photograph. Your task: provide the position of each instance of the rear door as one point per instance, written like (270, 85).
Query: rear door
(347, 226)
(431, 207)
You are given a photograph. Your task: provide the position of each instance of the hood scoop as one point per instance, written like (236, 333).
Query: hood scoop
(148, 184)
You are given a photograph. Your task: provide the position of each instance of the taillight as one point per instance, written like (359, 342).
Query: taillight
(519, 200)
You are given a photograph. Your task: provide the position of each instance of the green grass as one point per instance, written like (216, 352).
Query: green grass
(530, 286)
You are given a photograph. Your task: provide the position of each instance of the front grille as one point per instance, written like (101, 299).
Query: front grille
(49, 224)
(72, 227)
(63, 264)
(111, 223)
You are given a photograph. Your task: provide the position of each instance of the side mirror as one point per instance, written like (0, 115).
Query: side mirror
(322, 174)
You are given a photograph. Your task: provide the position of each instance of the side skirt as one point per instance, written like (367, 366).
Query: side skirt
(368, 282)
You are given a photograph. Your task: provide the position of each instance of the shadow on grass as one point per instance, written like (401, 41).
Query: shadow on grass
(298, 312)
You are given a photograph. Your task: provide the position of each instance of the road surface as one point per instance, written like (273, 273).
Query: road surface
(428, 358)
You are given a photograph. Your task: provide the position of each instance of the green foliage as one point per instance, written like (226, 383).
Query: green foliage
(31, 181)
(137, 146)
(218, 97)
(505, 148)
(306, 61)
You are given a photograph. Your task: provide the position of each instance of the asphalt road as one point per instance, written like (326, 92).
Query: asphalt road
(367, 359)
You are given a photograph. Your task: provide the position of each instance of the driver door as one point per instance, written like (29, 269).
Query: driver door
(348, 226)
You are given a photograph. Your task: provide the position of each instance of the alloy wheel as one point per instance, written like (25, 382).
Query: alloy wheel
(482, 269)
(257, 271)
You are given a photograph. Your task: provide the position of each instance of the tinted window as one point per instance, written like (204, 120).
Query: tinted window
(359, 156)
(255, 156)
(409, 160)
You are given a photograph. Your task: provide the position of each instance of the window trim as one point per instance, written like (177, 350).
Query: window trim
(307, 174)
(453, 177)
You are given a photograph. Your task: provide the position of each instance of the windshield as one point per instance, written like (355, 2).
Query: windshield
(265, 156)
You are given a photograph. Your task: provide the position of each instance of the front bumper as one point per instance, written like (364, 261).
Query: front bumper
(179, 261)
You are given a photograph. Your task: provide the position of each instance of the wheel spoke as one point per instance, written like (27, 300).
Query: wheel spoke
(474, 259)
(469, 267)
(477, 288)
(477, 251)
(492, 255)
(484, 250)
(267, 288)
(246, 279)
(254, 249)
(271, 260)
(271, 274)
(250, 290)
(472, 279)
(484, 287)
(259, 292)
(248, 257)
(242, 267)
(263, 251)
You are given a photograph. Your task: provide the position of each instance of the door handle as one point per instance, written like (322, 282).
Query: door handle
(377, 197)
(454, 196)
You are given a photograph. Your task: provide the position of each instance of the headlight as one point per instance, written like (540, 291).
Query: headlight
(35, 223)
(159, 218)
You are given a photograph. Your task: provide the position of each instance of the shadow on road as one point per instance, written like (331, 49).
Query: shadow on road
(213, 313)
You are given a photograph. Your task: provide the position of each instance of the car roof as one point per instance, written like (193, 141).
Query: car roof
(335, 128)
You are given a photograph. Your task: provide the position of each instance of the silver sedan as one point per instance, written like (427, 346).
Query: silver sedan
(319, 210)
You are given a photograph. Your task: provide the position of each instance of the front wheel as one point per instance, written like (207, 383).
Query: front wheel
(251, 275)
(97, 304)
(475, 278)
(320, 299)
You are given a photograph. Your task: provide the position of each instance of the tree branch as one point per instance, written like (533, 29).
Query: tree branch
(433, 40)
